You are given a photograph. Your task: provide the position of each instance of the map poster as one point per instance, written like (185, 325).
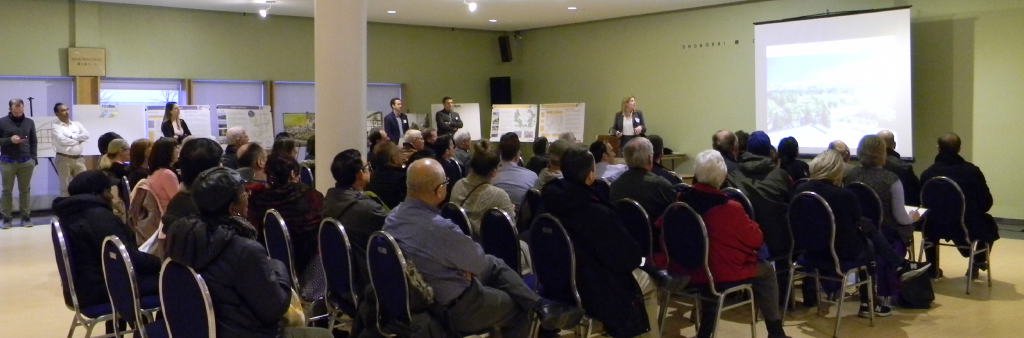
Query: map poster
(257, 121)
(557, 118)
(515, 118)
(300, 125)
(468, 112)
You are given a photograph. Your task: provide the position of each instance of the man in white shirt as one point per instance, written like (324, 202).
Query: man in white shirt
(68, 137)
(605, 157)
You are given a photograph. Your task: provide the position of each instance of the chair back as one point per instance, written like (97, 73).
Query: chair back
(945, 202)
(122, 287)
(126, 193)
(185, 302)
(387, 275)
(870, 203)
(279, 242)
(637, 224)
(686, 240)
(499, 238)
(554, 260)
(738, 196)
(814, 226)
(457, 215)
(339, 268)
(64, 263)
(306, 176)
(681, 187)
(528, 210)
(602, 186)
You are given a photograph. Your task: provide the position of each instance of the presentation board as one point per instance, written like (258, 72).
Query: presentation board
(300, 125)
(127, 121)
(835, 77)
(257, 121)
(196, 117)
(557, 118)
(516, 118)
(468, 112)
(44, 135)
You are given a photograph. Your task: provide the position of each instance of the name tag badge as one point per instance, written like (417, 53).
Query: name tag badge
(405, 121)
(636, 120)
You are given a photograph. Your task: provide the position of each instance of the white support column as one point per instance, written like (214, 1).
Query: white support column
(340, 66)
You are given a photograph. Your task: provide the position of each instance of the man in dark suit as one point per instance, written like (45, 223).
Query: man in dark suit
(903, 170)
(448, 120)
(396, 122)
(980, 225)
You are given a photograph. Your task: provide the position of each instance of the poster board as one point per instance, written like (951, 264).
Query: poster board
(44, 135)
(258, 122)
(557, 118)
(468, 112)
(300, 125)
(127, 121)
(517, 118)
(197, 118)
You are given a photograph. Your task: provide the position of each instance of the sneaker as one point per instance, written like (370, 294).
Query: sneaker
(6, 225)
(880, 310)
(26, 222)
(911, 269)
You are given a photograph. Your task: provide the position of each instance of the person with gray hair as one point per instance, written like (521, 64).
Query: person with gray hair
(236, 137)
(726, 143)
(733, 243)
(568, 136)
(478, 291)
(653, 192)
(554, 169)
(843, 149)
(462, 144)
(412, 143)
(903, 170)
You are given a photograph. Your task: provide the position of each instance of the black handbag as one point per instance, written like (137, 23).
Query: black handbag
(917, 292)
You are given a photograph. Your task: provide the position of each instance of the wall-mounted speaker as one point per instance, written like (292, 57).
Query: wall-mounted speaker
(501, 90)
(505, 46)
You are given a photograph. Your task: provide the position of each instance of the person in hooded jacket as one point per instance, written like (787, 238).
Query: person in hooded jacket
(767, 186)
(87, 219)
(613, 288)
(250, 291)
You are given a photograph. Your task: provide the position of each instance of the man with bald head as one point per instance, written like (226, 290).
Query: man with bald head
(843, 149)
(726, 143)
(477, 291)
(903, 170)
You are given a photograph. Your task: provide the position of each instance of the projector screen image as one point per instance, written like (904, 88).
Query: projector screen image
(835, 78)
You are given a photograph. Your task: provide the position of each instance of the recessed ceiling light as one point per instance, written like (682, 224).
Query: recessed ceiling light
(392, 12)
(492, 20)
(572, 8)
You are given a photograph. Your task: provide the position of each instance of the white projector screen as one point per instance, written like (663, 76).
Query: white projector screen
(835, 77)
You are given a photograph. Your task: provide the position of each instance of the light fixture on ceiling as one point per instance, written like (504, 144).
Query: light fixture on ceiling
(472, 5)
(572, 8)
(263, 11)
(492, 20)
(392, 12)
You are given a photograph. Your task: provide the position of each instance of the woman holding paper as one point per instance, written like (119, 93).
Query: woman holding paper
(173, 126)
(629, 122)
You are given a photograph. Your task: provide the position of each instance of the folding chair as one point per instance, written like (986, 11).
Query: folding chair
(602, 186)
(87, 316)
(871, 207)
(123, 290)
(126, 194)
(686, 241)
(528, 210)
(738, 196)
(499, 238)
(457, 214)
(186, 303)
(340, 270)
(306, 176)
(279, 246)
(945, 201)
(814, 228)
(555, 265)
(390, 284)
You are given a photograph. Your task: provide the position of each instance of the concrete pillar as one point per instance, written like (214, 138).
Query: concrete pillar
(340, 53)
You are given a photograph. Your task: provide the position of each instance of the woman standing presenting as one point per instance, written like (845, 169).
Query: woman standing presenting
(629, 122)
(173, 126)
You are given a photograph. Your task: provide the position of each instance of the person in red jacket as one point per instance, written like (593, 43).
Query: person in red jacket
(733, 242)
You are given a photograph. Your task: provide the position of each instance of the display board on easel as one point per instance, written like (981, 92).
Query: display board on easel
(468, 112)
(516, 118)
(127, 121)
(258, 122)
(197, 118)
(557, 118)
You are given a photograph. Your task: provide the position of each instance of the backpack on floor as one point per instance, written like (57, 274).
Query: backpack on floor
(917, 292)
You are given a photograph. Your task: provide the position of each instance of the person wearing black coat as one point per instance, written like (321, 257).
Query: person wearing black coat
(767, 187)
(629, 122)
(387, 182)
(613, 288)
(87, 219)
(173, 125)
(903, 170)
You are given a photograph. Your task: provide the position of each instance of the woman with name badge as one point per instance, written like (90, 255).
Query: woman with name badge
(629, 122)
(173, 126)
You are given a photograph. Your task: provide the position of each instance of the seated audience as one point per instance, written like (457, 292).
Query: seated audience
(477, 291)
(608, 271)
(113, 164)
(980, 225)
(896, 222)
(462, 144)
(153, 194)
(443, 149)
(843, 149)
(512, 178)
(387, 181)
(251, 293)
(163, 182)
(725, 142)
(196, 157)
(373, 138)
(742, 138)
(310, 160)
(553, 171)
(283, 135)
(641, 185)
(789, 149)
(138, 168)
(903, 170)
(606, 168)
(568, 136)
(540, 155)
(236, 137)
(104, 140)
(252, 163)
(412, 143)
(87, 220)
(659, 152)
(733, 241)
(429, 137)
(475, 193)
(358, 213)
(286, 146)
(767, 187)
(300, 206)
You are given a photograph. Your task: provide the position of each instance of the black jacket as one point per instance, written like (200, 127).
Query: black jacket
(666, 174)
(652, 192)
(168, 130)
(972, 182)
(250, 291)
(768, 188)
(180, 206)
(447, 122)
(905, 171)
(230, 158)
(388, 183)
(87, 220)
(361, 216)
(797, 169)
(849, 242)
(605, 257)
(538, 163)
(26, 129)
(638, 121)
(391, 127)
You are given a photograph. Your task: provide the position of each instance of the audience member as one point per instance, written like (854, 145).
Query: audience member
(843, 149)
(283, 135)
(903, 170)
(196, 157)
(641, 185)
(608, 273)
(387, 182)
(742, 138)
(767, 186)
(980, 225)
(789, 149)
(462, 143)
(553, 170)
(360, 214)
(104, 140)
(114, 158)
(286, 146)
(659, 152)
(429, 137)
(138, 166)
(733, 241)
(412, 143)
(512, 178)
(540, 155)
(606, 167)
(896, 222)
(162, 181)
(309, 161)
(568, 136)
(475, 193)
(374, 137)
(444, 149)
(477, 291)
(236, 137)
(725, 142)
(252, 163)
(250, 292)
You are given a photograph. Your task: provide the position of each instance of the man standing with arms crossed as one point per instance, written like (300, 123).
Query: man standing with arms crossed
(68, 137)
(448, 121)
(17, 160)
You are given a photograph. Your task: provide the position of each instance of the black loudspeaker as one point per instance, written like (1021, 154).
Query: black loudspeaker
(501, 90)
(505, 46)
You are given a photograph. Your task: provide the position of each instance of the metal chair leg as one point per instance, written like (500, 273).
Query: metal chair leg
(839, 311)
(663, 311)
(970, 265)
(753, 314)
(789, 291)
(871, 301)
(988, 259)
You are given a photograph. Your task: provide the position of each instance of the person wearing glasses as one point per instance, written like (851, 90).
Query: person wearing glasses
(67, 138)
(173, 126)
(360, 214)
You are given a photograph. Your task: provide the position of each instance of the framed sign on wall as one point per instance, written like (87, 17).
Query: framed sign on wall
(87, 62)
